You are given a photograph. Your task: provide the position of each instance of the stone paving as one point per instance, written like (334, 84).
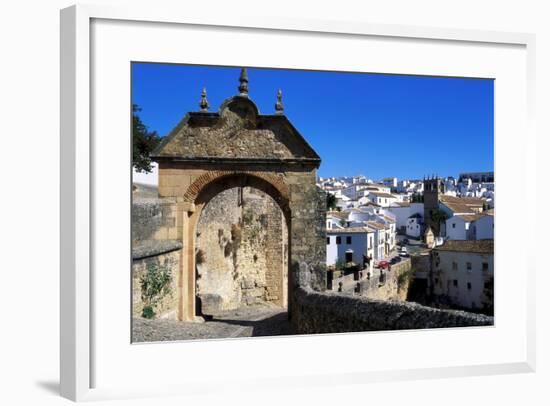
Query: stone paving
(252, 321)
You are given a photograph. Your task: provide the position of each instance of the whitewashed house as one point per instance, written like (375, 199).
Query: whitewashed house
(336, 220)
(462, 274)
(382, 199)
(470, 226)
(350, 245)
(415, 225)
(378, 187)
(458, 227)
(402, 212)
(484, 227)
(355, 191)
(379, 239)
(342, 201)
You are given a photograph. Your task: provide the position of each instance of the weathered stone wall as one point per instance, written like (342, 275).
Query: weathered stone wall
(154, 219)
(308, 237)
(160, 254)
(388, 285)
(379, 284)
(327, 312)
(241, 242)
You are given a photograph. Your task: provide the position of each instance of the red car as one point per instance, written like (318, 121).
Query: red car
(383, 265)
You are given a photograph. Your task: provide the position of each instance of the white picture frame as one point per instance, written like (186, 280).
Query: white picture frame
(77, 187)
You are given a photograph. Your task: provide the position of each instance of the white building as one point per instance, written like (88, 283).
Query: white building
(402, 212)
(415, 225)
(378, 187)
(484, 227)
(462, 274)
(382, 199)
(355, 191)
(390, 182)
(336, 220)
(151, 178)
(379, 240)
(470, 226)
(350, 245)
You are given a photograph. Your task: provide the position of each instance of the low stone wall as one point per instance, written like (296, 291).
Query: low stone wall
(328, 312)
(164, 254)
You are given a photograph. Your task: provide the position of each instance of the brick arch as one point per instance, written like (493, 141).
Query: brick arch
(199, 184)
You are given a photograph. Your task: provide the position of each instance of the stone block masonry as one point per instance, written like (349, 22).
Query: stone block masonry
(327, 312)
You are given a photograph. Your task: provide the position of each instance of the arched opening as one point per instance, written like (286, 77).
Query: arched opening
(241, 246)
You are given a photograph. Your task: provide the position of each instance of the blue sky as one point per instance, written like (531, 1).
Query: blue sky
(372, 124)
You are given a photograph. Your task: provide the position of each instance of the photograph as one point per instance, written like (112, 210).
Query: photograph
(279, 202)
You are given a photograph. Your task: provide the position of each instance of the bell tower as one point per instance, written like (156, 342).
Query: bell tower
(433, 189)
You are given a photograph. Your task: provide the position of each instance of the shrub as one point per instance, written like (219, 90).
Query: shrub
(155, 284)
(148, 312)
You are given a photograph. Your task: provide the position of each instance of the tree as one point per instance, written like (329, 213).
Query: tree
(144, 142)
(331, 201)
(438, 216)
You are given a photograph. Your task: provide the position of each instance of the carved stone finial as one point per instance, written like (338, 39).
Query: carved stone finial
(243, 80)
(279, 107)
(204, 102)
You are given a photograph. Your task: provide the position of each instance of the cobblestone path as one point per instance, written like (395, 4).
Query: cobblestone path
(253, 321)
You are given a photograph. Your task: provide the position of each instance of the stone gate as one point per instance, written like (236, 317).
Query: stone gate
(208, 153)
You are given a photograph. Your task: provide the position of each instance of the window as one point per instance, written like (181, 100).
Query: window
(469, 266)
(485, 266)
(348, 239)
(469, 286)
(455, 283)
(338, 240)
(328, 240)
(454, 225)
(455, 266)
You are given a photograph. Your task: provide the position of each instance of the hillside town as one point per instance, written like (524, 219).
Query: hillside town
(235, 235)
(444, 226)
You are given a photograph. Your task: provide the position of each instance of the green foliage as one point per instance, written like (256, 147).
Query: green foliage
(340, 264)
(148, 312)
(143, 142)
(438, 216)
(155, 284)
(331, 201)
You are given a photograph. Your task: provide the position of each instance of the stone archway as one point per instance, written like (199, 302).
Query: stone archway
(240, 226)
(207, 153)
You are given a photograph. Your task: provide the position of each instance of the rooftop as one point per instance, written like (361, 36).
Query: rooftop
(350, 230)
(381, 194)
(475, 246)
(464, 205)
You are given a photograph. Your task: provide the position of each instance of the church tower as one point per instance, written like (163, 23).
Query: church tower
(434, 188)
